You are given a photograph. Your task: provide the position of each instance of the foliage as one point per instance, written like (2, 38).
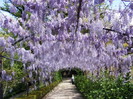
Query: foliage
(57, 76)
(77, 71)
(17, 12)
(104, 88)
(18, 88)
(38, 94)
(14, 85)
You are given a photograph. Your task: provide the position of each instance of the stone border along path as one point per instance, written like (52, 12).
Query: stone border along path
(64, 90)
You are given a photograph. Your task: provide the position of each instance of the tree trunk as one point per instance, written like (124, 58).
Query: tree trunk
(1, 86)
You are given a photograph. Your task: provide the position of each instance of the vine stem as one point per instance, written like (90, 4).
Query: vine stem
(78, 14)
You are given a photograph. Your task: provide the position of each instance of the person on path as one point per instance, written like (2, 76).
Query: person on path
(72, 79)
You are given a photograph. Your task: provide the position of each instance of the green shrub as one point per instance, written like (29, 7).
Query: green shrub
(38, 94)
(20, 86)
(57, 76)
(104, 88)
(27, 97)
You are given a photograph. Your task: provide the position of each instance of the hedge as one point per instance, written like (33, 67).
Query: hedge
(20, 86)
(104, 88)
(40, 93)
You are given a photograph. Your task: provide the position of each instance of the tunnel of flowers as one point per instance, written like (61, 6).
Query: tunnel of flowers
(40, 38)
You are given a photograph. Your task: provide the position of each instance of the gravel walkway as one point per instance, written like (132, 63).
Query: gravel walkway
(65, 90)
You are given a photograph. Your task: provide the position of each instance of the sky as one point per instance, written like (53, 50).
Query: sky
(3, 12)
(115, 5)
(1, 2)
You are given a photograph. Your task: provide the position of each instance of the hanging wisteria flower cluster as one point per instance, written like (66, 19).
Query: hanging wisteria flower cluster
(69, 33)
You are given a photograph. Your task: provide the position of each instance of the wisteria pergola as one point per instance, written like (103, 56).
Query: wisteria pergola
(59, 34)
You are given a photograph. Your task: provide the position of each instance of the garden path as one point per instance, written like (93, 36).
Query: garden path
(65, 90)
